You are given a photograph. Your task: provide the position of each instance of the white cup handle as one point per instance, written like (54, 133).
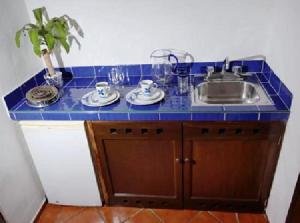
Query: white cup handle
(155, 85)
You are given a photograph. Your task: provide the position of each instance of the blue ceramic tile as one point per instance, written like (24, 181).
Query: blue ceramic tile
(55, 116)
(22, 106)
(134, 80)
(201, 68)
(175, 103)
(86, 71)
(64, 70)
(285, 95)
(146, 69)
(275, 82)
(208, 116)
(275, 116)
(28, 85)
(278, 103)
(175, 116)
(28, 116)
(79, 107)
(114, 116)
(99, 79)
(266, 108)
(266, 68)
(39, 78)
(102, 71)
(144, 116)
(262, 77)
(134, 70)
(153, 107)
(80, 82)
(241, 116)
(75, 93)
(252, 65)
(61, 105)
(208, 108)
(84, 116)
(119, 106)
(243, 108)
(219, 66)
(269, 88)
(13, 98)
(12, 115)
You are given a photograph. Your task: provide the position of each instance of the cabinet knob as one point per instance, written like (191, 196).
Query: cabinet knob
(178, 160)
(186, 160)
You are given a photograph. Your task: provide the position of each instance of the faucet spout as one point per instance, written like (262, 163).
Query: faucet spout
(226, 65)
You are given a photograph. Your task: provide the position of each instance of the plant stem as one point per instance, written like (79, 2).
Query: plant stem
(48, 62)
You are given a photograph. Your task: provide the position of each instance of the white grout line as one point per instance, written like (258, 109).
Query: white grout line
(237, 218)
(156, 215)
(263, 66)
(258, 117)
(215, 217)
(94, 71)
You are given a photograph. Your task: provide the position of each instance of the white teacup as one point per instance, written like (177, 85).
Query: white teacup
(147, 86)
(103, 89)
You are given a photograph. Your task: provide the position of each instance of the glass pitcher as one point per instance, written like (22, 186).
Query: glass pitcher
(161, 69)
(165, 62)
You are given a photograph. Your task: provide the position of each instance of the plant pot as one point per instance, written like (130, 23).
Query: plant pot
(55, 80)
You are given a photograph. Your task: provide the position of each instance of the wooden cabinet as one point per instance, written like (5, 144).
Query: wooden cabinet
(202, 165)
(139, 162)
(229, 166)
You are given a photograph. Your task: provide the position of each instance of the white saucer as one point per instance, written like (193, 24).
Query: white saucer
(136, 97)
(93, 99)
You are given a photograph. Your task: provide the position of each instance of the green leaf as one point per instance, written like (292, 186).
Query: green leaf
(65, 44)
(38, 15)
(49, 26)
(34, 38)
(59, 28)
(17, 37)
(50, 41)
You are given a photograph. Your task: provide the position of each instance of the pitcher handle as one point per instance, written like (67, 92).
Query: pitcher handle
(174, 66)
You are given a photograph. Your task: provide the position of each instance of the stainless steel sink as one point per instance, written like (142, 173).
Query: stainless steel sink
(229, 92)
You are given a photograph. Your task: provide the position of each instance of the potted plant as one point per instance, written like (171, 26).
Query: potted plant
(45, 35)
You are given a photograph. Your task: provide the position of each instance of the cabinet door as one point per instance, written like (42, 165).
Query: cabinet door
(139, 163)
(229, 165)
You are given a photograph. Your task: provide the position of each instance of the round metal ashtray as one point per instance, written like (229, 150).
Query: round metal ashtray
(42, 96)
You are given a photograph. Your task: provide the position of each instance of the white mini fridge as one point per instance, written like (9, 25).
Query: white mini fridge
(61, 155)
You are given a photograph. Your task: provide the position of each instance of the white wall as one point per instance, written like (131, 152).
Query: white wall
(119, 32)
(283, 51)
(21, 193)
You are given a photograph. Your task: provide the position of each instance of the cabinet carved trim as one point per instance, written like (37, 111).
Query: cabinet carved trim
(201, 165)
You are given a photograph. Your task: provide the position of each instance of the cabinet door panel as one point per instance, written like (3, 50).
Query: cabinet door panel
(229, 165)
(228, 170)
(138, 162)
(133, 163)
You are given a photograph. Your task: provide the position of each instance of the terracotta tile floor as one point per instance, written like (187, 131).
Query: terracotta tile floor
(57, 214)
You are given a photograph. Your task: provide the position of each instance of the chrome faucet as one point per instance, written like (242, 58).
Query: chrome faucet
(226, 65)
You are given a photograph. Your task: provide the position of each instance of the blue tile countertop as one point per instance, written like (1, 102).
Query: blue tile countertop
(174, 107)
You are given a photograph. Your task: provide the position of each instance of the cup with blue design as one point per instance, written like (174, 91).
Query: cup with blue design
(103, 89)
(147, 87)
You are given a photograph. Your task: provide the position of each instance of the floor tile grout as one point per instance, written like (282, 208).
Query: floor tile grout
(198, 213)
(156, 215)
(133, 215)
(74, 215)
(215, 217)
(237, 217)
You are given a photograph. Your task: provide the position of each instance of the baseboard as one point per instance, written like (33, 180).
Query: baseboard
(38, 212)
